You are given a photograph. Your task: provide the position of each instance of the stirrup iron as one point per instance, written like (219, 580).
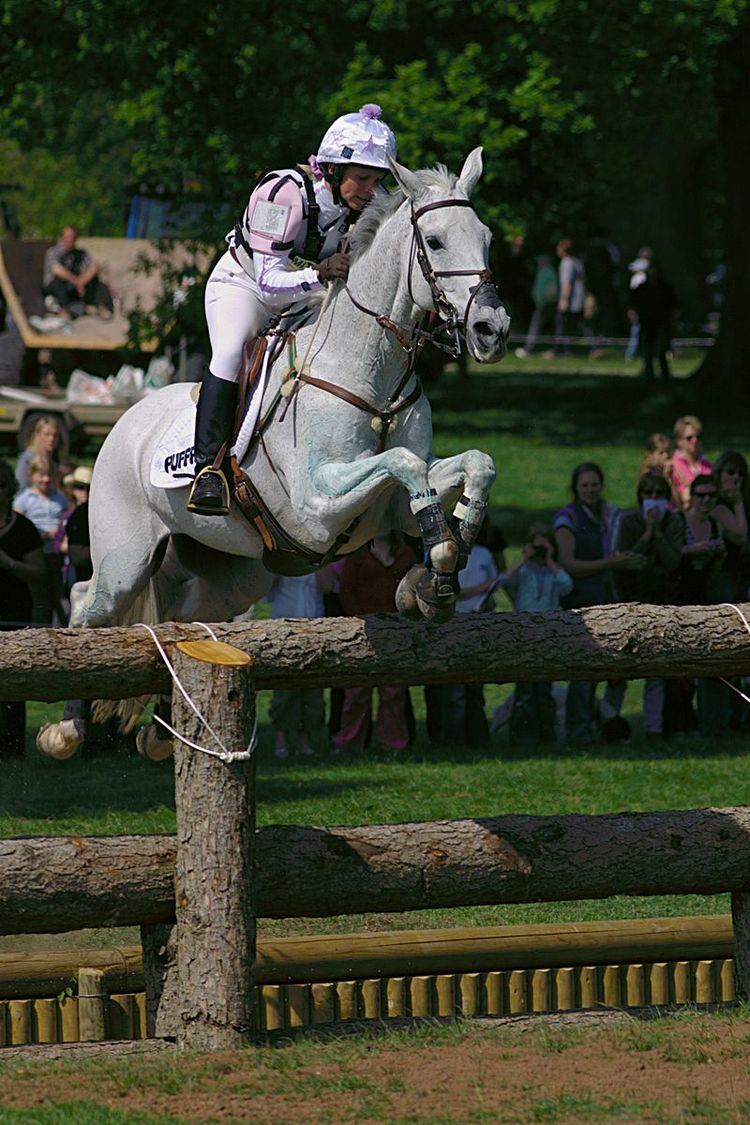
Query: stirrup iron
(209, 495)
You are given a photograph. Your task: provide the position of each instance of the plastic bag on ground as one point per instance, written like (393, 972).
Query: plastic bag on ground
(88, 389)
(128, 383)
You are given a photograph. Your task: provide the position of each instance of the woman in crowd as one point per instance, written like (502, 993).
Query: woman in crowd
(701, 583)
(369, 581)
(586, 531)
(46, 441)
(21, 565)
(731, 476)
(44, 506)
(688, 461)
(657, 534)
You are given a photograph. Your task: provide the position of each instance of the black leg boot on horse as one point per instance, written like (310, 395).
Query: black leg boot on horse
(430, 590)
(217, 402)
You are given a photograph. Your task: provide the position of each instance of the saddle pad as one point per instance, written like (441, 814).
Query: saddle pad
(172, 462)
(172, 465)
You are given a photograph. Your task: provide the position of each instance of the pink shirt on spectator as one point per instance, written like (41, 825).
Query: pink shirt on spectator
(683, 473)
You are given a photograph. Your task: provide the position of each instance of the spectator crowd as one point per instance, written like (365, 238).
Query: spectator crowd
(684, 542)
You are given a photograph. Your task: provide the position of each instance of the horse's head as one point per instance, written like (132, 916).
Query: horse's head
(448, 268)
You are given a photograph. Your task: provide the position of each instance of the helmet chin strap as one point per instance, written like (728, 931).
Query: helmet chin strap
(333, 174)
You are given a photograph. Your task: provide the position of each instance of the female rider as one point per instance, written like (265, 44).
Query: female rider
(285, 247)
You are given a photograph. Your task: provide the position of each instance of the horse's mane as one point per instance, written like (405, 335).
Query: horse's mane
(380, 209)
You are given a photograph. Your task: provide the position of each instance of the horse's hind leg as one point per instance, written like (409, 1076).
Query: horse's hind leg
(121, 575)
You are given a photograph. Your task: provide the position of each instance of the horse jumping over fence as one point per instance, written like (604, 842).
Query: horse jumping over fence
(345, 451)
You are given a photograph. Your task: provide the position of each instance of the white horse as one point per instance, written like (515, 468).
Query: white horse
(345, 457)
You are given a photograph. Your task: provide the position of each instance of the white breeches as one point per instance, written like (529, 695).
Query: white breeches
(234, 311)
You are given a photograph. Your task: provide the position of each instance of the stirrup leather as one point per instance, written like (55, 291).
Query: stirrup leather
(210, 476)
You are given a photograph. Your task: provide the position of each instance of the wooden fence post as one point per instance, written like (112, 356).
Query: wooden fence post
(741, 927)
(214, 879)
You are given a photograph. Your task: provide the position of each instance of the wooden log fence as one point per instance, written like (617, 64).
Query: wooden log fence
(57, 883)
(597, 643)
(201, 984)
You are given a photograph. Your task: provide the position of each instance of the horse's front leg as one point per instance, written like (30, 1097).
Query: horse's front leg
(356, 484)
(464, 481)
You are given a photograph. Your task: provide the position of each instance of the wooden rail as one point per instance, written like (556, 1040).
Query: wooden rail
(597, 643)
(401, 953)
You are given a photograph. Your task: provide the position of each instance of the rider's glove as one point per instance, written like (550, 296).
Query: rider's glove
(337, 266)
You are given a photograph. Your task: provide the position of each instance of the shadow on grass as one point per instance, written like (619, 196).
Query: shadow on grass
(38, 787)
(564, 408)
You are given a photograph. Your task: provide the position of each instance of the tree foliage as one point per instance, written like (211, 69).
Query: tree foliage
(591, 112)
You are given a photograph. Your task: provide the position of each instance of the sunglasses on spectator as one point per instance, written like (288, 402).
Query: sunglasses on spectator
(692, 437)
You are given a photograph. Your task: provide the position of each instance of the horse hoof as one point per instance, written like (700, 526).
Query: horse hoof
(149, 745)
(406, 593)
(437, 612)
(61, 740)
(436, 596)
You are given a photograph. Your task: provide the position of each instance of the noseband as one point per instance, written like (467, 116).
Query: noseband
(446, 335)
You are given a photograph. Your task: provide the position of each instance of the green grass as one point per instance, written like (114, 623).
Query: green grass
(537, 425)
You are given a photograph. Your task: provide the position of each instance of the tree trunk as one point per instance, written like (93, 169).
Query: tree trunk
(598, 643)
(48, 885)
(727, 361)
(214, 877)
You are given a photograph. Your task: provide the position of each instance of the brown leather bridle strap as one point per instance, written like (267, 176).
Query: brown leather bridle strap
(397, 330)
(440, 203)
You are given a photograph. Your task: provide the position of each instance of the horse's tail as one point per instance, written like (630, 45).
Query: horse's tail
(144, 610)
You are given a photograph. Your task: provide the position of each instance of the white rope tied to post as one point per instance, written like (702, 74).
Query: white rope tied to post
(223, 753)
(736, 608)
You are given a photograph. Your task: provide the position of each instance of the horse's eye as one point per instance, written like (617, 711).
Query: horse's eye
(434, 243)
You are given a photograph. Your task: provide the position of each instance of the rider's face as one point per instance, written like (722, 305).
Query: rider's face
(359, 184)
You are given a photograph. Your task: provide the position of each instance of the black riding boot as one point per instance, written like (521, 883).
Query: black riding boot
(209, 495)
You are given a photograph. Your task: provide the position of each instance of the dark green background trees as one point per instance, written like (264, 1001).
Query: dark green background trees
(628, 115)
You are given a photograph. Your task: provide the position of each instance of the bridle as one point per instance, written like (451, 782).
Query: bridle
(446, 334)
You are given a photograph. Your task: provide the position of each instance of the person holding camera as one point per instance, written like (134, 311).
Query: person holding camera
(537, 583)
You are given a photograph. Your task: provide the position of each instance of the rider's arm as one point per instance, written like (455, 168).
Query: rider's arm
(275, 279)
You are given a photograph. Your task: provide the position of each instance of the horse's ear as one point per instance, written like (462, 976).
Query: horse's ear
(406, 180)
(471, 172)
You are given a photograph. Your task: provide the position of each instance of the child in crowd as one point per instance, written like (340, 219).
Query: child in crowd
(657, 457)
(537, 583)
(44, 505)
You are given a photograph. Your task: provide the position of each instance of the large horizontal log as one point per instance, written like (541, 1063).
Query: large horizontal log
(602, 642)
(332, 957)
(51, 884)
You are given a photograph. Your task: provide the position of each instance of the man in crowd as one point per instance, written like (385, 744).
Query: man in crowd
(71, 283)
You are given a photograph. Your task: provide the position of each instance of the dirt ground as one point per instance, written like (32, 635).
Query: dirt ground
(689, 1068)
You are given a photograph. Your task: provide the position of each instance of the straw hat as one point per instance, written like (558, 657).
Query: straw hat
(80, 476)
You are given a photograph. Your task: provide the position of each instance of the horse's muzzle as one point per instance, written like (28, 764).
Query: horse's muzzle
(489, 326)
